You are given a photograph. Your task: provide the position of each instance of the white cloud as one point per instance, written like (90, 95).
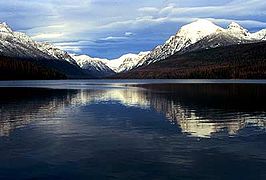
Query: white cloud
(245, 23)
(148, 10)
(237, 8)
(47, 36)
(129, 33)
(75, 49)
(113, 38)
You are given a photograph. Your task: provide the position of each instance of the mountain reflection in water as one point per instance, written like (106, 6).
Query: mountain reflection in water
(199, 110)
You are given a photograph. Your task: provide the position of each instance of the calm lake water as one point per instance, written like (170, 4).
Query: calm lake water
(150, 129)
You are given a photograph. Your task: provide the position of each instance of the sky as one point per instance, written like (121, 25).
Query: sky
(111, 28)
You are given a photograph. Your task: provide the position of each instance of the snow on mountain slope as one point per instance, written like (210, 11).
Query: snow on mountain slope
(5, 28)
(202, 34)
(238, 31)
(20, 45)
(13, 44)
(95, 66)
(234, 34)
(106, 66)
(17, 44)
(212, 41)
(126, 62)
(55, 52)
(187, 35)
(260, 35)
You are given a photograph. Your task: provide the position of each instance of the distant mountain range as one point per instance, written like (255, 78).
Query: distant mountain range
(197, 36)
(96, 66)
(106, 67)
(196, 49)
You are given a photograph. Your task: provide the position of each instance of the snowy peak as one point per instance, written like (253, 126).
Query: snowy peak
(236, 29)
(5, 28)
(200, 24)
(94, 66)
(126, 62)
(55, 52)
(24, 38)
(234, 25)
(131, 61)
(18, 44)
(197, 30)
(186, 36)
(84, 61)
(202, 34)
(128, 56)
(260, 35)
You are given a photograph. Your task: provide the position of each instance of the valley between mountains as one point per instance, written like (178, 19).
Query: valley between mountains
(200, 49)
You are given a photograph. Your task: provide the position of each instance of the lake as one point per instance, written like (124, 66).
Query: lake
(133, 129)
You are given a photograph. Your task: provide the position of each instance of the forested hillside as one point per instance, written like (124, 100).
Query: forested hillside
(13, 69)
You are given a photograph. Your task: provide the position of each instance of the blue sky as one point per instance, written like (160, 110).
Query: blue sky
(110, 28)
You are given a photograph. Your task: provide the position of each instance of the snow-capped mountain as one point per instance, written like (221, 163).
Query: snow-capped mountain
(95, 66)
(260, 35)
(109, 67)
(187, 35)
(237, 31)
(55, 52)
(14, 44)
(20, 45)
(202, 34)
(234, 34)
(125, 62)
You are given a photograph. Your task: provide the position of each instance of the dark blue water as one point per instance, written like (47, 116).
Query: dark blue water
(133, 130)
